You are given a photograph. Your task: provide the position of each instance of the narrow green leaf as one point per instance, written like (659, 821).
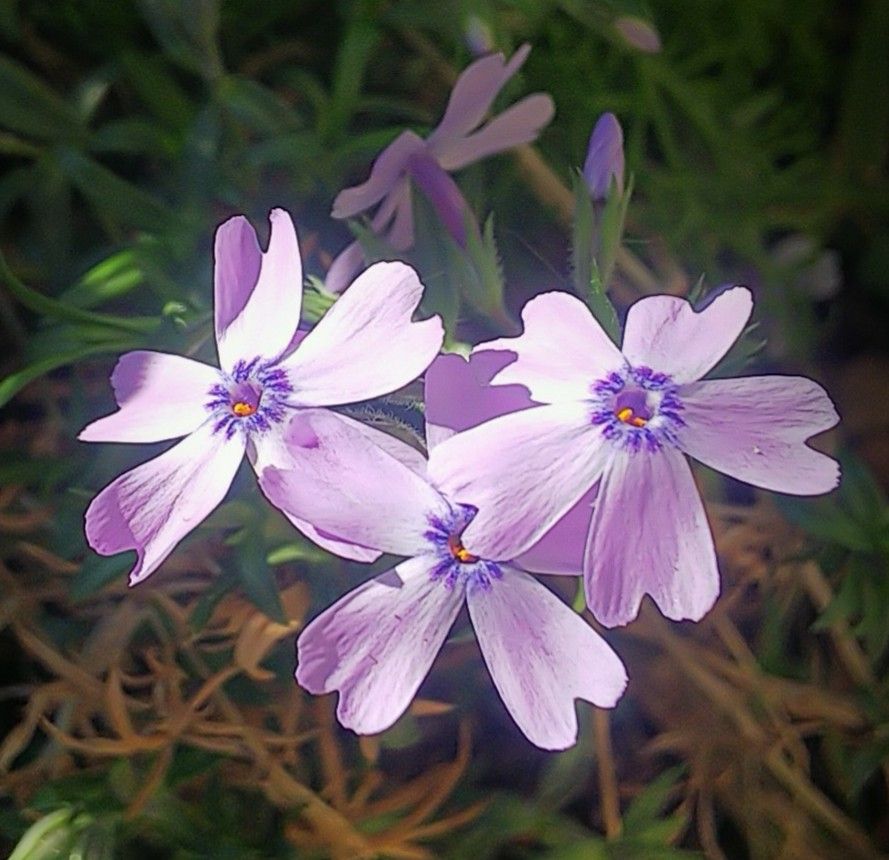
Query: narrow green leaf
(15, 382)
(113, 197)
(31, 108)
(583, 230)
(46, 306)
(601, 307)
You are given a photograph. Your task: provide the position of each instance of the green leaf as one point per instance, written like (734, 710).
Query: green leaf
(257, 577)
(96, 572)
(187, 32)
(115, 198)
(601, 307)
(15, 382)
(483, 286)
(353, 56)
(29, 107)
(583, 230)
(611, 228)
(51, 837)
(256, 106)
(646, 807)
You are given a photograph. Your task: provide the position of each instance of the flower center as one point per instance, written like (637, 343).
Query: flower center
(242, 409)
(250, 399)
(631, 407)
(637, 408)
(459, 552)
(455, 565)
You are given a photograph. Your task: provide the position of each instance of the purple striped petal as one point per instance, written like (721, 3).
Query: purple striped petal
(755, 428)
(152, 507)
(667, 334)
(350, 488)
(561, 353)
(522, 471)
(376, 645)
(366, 345)
(542, 656)
(269, 312)
(649, 535)
(161, 396)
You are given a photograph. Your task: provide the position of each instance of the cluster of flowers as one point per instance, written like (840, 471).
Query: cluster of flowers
(551, 452)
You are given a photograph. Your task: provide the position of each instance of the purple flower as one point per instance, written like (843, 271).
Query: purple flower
(376, 644)
(638, 33)
(458, 140)
(622, 421)
(605, 157)
(365, 346)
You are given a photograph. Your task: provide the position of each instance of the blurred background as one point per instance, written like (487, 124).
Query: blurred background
(163, 721)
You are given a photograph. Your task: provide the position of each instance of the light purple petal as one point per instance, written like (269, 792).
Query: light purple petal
(561, 353)
(161, 396)
(388, 167)
(754, 429)
(343, 549)
(472, 97)
(344, 267)
(542, 656)
(269, 316)
(366, 344)
(561, 549)
(350, 488)
(458, 395)
(270, 449)
(152, 507)
(605, 157)
(236, 264)
(376, 645)
(522, 471)
(666, 334)
(650, 535)
(521, 123)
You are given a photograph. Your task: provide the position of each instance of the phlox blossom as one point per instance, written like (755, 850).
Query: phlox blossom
(378, 642)
(620, 422)
(459, 139)
(365, 346)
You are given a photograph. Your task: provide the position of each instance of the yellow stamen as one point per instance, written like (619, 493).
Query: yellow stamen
(626, 415)
(242, 409)
(463, 555)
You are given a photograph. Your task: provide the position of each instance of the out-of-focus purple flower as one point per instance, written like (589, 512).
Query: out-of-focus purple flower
(377, 643)
(605, 157)
(266, 373)
(623, 421)
(638, 33)
(458, 140)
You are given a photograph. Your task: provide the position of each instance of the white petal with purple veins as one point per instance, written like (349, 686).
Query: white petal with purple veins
(561, 353)
(350, 488)
(366, 345)
(542, 656)
(522, 471)
(268, 318)
(152, 507)
(754, 429)
(161, 396)
(649, 535)
(376, 645)
(666, 334)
